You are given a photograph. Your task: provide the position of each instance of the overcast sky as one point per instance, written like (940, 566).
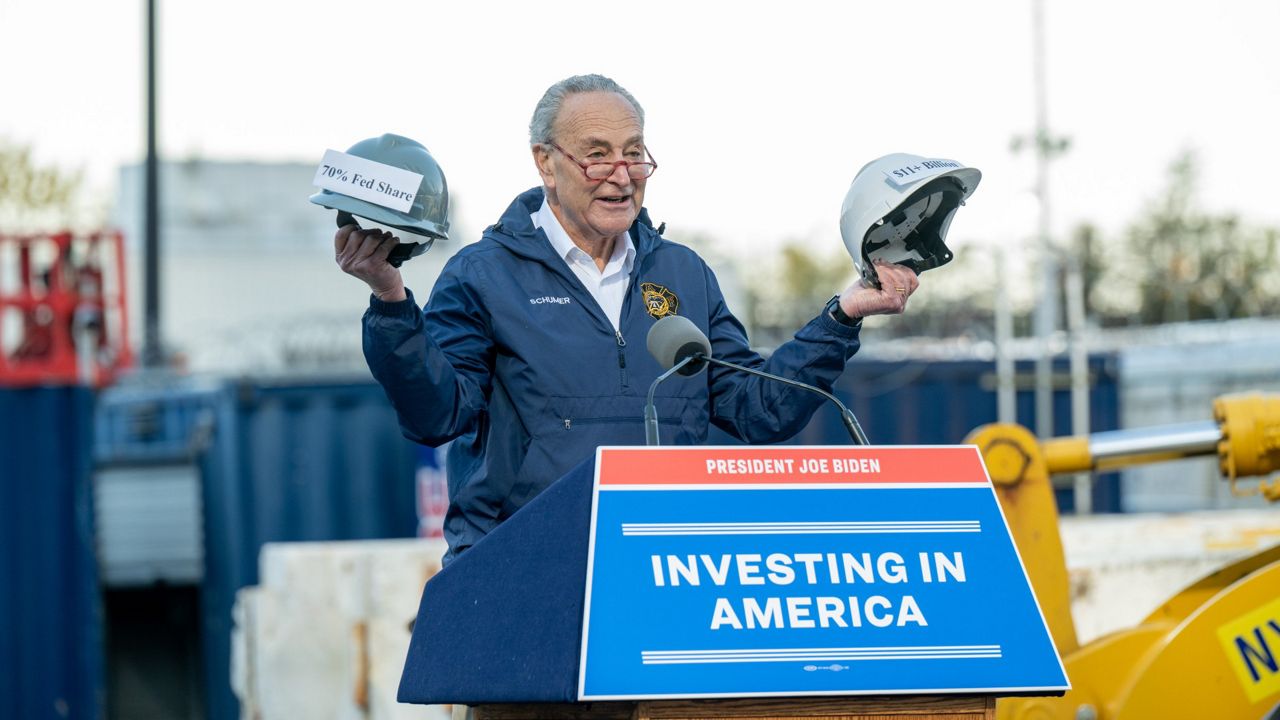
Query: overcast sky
(759, 113)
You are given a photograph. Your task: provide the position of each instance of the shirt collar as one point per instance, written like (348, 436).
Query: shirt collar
(624, 251)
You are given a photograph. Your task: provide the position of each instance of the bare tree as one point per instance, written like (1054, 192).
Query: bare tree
(1183, 263)
(34, 198)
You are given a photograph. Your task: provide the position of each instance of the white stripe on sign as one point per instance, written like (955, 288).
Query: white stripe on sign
(803, 528)
(926, 652)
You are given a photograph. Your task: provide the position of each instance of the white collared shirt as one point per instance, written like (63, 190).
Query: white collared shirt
(608, 286)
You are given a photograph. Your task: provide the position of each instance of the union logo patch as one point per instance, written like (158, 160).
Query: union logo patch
(659, 301)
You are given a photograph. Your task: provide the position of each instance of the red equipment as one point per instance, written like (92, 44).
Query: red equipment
(63, 316)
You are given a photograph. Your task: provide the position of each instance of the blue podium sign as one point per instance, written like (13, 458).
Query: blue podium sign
(772, 571)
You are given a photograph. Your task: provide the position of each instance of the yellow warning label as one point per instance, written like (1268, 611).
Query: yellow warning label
(1252, 644)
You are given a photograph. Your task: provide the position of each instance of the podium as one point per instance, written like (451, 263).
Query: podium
(745, 582)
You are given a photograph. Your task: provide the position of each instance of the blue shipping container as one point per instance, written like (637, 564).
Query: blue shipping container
(51, 655)
(292, 462)
(152, 423)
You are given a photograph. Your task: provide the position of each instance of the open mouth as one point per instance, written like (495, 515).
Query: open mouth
(614, 200)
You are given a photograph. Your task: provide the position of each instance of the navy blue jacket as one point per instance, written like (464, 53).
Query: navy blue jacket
(514, 360)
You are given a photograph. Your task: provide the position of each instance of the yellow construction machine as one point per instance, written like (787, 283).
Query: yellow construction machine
(1210, 652)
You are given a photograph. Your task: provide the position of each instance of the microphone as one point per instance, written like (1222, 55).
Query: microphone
(676, 343)
(674, 338)
(680, 347)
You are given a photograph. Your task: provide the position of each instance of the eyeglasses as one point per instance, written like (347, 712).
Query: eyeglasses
(597, 171)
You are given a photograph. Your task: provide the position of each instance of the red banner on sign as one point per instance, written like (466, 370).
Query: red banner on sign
(785, 465)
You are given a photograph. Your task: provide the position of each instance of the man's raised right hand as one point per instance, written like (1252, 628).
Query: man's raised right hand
(363, 254)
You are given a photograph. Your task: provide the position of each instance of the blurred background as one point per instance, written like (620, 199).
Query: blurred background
(181, 379)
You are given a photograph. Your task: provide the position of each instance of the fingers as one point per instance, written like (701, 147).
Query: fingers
(898, 279)
(363, 254)
(897, 283)
(371, 244)
(343, 236)
(360, 245)
(383, 251)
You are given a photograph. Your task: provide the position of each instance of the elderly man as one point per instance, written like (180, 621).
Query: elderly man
(530, 351)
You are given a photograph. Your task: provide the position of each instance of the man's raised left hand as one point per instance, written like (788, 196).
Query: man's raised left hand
(897, 282)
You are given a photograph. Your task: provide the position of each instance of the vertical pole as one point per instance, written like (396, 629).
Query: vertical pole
(1046, 317)
(1079, 378)
(1006, 393)
(152, 353)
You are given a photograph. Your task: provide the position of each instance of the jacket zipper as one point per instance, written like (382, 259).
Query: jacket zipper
(580, 292)
(622, 357)
(584, 297)
(622, 317)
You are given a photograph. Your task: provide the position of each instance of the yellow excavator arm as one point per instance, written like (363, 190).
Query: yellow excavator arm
(1212, 650)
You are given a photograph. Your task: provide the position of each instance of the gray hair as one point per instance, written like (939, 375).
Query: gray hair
(544, 115)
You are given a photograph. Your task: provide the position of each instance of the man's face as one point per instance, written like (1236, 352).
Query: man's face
(593, 127)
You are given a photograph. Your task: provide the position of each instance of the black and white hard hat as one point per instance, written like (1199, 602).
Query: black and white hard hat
(898, 209)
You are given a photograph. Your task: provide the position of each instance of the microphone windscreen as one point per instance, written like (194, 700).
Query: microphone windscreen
(674, 338)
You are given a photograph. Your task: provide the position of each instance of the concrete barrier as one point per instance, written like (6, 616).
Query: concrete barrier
(1124, 566)
(325, 633)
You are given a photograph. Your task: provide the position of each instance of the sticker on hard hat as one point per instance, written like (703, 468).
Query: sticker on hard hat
(904, 175)
(357, 177)
(1252, 645)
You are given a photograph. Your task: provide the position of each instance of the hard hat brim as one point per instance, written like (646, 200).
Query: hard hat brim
(377, 213)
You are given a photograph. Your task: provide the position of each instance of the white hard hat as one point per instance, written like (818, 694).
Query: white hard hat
(898, 209)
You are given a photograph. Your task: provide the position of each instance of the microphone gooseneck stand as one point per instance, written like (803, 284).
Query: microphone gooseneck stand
(651, 412)
(846, 415)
